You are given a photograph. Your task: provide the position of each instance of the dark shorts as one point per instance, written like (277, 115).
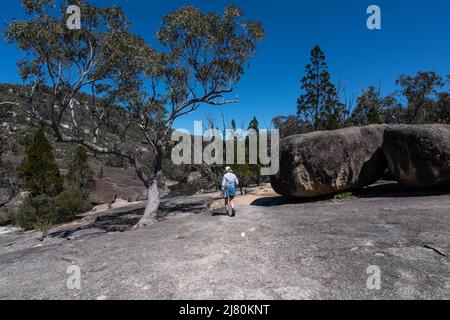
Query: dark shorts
(229, 192)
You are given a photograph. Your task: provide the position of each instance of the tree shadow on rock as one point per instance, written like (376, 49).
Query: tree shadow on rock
(192, 207)
(101, 226)
(122, 221)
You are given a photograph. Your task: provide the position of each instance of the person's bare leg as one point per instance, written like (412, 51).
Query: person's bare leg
(233, 210)
(227, 206)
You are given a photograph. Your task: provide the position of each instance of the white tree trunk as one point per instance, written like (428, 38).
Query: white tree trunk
(153, 202)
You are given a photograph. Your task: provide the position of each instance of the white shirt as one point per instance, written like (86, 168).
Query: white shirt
(229, 178)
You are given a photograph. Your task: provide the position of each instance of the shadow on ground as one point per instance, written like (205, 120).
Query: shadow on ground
(382, 190)
(124, 220)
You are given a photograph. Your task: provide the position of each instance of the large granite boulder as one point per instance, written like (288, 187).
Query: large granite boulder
(418, 156)
(329, 162)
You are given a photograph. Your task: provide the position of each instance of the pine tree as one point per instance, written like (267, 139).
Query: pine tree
(38, 170)
(319, 106)
(80, 176)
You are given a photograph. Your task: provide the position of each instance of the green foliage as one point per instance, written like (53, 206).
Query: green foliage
(69, 203)
(8, 142)
(420, 91)
(3, 149)
(38, 170)
(441, 109)
(42, 212)
(8, 179)
(41, 177)
(289, 125)
(368, 109)
(98, 52)
(224, 42)
(418, 102)
(36, 211)
(37, 6)
(319, 105)
(80, 176)
(199, 59)
(245, 173)
(3, 219)
(423, 98)
(248, 173)
(343, 196)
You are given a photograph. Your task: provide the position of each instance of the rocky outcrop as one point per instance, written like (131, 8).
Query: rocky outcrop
(5, 194)
(329, 162)
(118, 183)
(418, 156)
(8, 211)
(194, 178)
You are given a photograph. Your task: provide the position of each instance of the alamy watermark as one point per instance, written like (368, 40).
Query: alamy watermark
(73, 22)
(211, 146)
(374, 280)
(374, 20)
(74, 280)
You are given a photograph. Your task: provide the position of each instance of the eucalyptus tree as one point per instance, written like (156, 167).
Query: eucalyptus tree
(136, 92)
(420, 92)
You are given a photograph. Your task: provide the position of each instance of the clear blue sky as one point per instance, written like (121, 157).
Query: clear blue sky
(415, 36)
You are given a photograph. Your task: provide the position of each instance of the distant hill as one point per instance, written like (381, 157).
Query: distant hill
(114, 176)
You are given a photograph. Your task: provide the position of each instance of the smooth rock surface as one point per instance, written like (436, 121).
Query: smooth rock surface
(329, 162)
(418, 156)
(313, 250)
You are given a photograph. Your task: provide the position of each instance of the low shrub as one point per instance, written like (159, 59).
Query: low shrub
(42, 212)
(3, 219)
(36, 211)
(343, 196)
(70, 203)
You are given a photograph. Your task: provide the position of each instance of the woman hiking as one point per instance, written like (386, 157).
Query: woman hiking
(229, 186)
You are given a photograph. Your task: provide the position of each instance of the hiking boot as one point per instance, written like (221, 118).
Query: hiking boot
(233, 214)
